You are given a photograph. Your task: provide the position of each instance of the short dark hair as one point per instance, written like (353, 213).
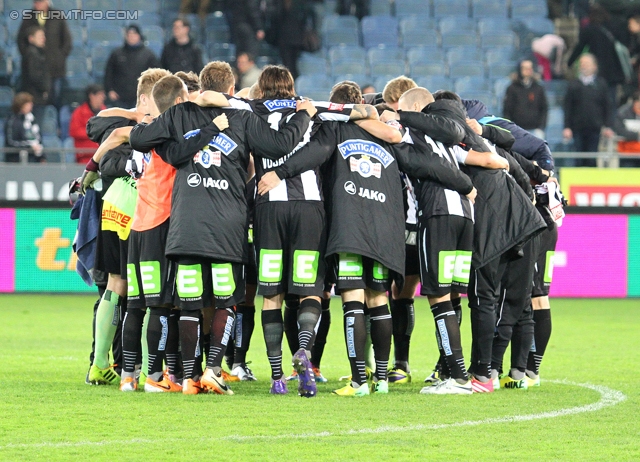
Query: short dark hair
(185, 22)
(276, 82)
(446, 94)
(166, 90)
(346, 92)
(92, 89)
(20, 100)
(191, 80)
(635, 96)
(250, 56)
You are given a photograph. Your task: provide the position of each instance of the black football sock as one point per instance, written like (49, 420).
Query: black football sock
(190, 342)
(355, 334)
(245, 323)
(157, 336)
(442, 367)
(542, 333)
(291, 306)
(381, 332)
(272, 328)
(317, 350)
(449, 332)
(308, 317)
(403, 317)
(457, 307)
(131, 335)
(172, 351)
(221, 330)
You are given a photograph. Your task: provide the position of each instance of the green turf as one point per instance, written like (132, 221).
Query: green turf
(47, 412)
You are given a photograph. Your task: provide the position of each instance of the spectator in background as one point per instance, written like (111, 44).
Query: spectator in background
(248, 72)
(21, 131)
(195, 6)
(368, 88)
(289, 21)
(125, 65)
(180, 53)
(627, 126)
(57, 47)
(358, 8)
(93, 104)
(36, 79)
(245, 22)
(587, 109)
(525, 101)
(597, 40)
(633, 24)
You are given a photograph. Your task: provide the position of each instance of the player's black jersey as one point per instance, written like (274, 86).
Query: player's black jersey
(366, 194)
(209, 208)
(433, 198)
(278, 112)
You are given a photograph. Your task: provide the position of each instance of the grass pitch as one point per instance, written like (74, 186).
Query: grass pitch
(586, 409)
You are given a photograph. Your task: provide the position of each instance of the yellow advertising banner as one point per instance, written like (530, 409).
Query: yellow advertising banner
(601, 187)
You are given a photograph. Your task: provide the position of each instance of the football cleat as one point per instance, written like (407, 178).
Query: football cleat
(507, 382)
(128, 384)
(362, 390)
(192, 387)
(434, 378)
(319, 377)
(481, 387)
(397, 375)
(215, 383)
(279, 387)
(228, 377)
(293, 376)
(381, 387)
(243, 373)
(532, 382)
(166, 385)
(448, 387)
(306, 380)
(106, 376)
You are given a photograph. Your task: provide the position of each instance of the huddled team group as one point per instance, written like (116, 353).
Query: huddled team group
(208, 198)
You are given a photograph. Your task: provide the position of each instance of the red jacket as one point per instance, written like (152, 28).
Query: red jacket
(78, 131)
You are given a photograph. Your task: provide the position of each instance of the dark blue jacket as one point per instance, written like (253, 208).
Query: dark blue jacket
(531, 147)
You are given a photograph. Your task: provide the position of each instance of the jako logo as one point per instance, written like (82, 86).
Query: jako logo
(194, 180)
(371, 194)
(350, 187)
(218, 184)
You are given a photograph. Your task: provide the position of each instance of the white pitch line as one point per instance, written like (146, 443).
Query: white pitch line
(608, 397)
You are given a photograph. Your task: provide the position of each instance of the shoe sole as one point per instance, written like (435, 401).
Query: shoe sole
(306, 384)
(214, 387)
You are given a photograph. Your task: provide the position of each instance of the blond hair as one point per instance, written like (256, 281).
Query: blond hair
(217, 76)
(148, 79)
(394, 88)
